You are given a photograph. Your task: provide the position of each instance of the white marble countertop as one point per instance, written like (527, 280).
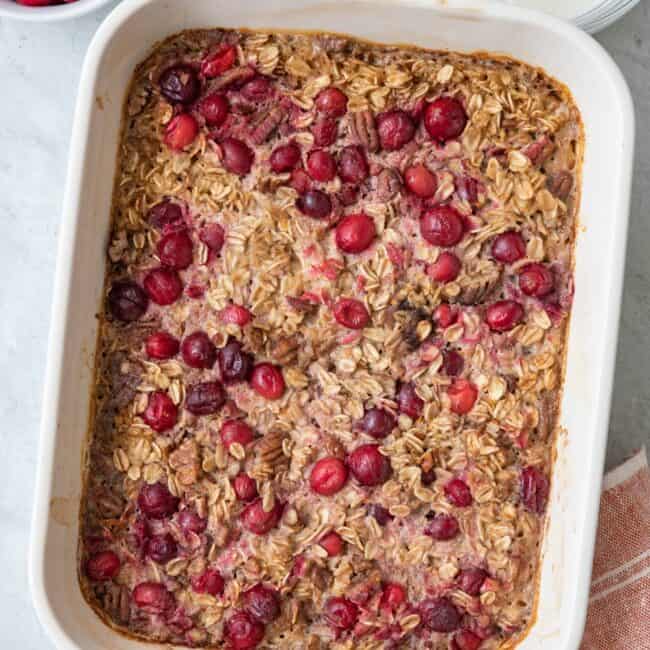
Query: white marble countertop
(39, 72)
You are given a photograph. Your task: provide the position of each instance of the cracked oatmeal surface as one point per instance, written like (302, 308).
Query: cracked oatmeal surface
(329, 365)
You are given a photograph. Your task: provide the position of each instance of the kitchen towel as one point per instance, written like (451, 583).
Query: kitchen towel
(619, 600)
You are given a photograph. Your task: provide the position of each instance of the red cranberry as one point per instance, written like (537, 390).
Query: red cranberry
(369, 466)
(236, 315)
(503, 315)
(153, 597)
(256, 89)
(181, 132)
(285, 157)
(156, 501)
(466, 640)
(332, 543)
(198, 351)
(179, 84)
(127, 301)
(242, 632)
(235, 364)
(190, 522)
(332, 102)
(267, 381)
(213, 236)
(209, 582)
(446, 268)
(328, 476)
(245, 487)
(237, 156)
(161, 345)
(163, 286)
(534, 490)
(471, 580)
(377, 423)
(442, 527)
(103, 566)
(420, 181)
(445, 119)
(314, 204)
(462, 395)
(36, 3)
(262, 603)
(395, 129)
(508, 247)
(380, 514)
(324, 131)
(214, 108)
(257, 521)
(393, 595)
(321, 165)
(441, 225)
(205, 398)
(175, 250)
(353, 166)
(444, 316)
(458, 493)
(351, 313)
(161, 548)
(439, 615)
(341, 613)
(161, 413)
(536, 280)
(355, 233)
(452, 363)
(217, 63)
(235, 431)
(300, 181)
(164, 214)
(408, 401)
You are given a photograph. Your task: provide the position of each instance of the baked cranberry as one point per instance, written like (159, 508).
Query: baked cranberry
(236, 315)
(181, 132)
(153, 597)
(377, 423)
(213, 236)
(190, 522)
(237, 156)
(420, 181)
(175, 250)
(355, 233)
(300, 181)
(458, 493)
(214, 108)
(351, 313)
(163, 286)
(205, 398)
(267, 381)
(259, 522)
(36, 3)
(353, 166)
(156, 501)
(242, 632)
(262, 603)
(442, 527)
(235, 431)
(314, 204)
(164, 214)
(444, 315)
(347, 195)
(466, 640)
(332, 543)
(503, 315)
(161, 413)
(127, 301)
(408, 401)
(103, 566)
(179, 84)
(198, 351)
(471, 580)
(341, 613)
(441, 225)
(446, 268)
(161, 548)
(285, 157)
(395, 129)
(321, 165)
(209, 582)
(462, 395)
(332, 102)
(445, 119)
(328, 476)
(369, 466)
(245, 487)
(235, 364)
(439, 615)
(508, 247)
(324, 131)
(256, 89)
(534, 489)
(380, 514)
(161, 345)
(536, 280)
(452, 363)
(392, 596)
(218, 62)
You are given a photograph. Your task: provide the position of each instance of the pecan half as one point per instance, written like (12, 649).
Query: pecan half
(332, 446)
(560, 185)
(364, 131)
(389, 183)
(116, 603)
(185, 460)
(268, 123)
(478, 291)
(540, 150)
(236, 75)
(285, 349)
(547, 414)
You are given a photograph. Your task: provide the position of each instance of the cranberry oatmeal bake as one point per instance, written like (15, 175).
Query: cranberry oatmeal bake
(330, 360)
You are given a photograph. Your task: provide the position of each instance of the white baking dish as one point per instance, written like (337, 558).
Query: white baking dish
(566, 53)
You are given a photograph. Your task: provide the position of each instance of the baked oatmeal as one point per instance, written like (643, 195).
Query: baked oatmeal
(330, 360)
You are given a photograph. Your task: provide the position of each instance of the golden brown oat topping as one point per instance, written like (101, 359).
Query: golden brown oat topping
(329, 366)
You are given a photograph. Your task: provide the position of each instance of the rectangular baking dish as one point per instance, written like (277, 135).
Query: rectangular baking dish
(123, 40)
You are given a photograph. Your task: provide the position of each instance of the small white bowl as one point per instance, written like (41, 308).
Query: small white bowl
(12, 9)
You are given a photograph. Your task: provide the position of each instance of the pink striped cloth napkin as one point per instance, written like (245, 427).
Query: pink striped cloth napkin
(619, 600)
